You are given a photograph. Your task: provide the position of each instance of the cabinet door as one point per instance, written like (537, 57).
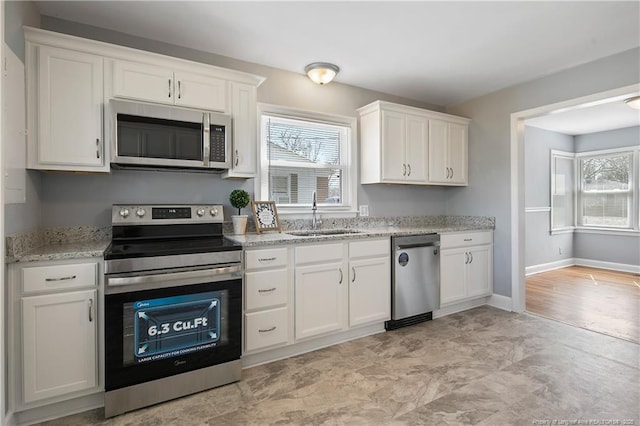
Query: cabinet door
(453, 270)
(59, 344)
(245, 136)
(321, 293)
(144, 82)
(479, 277)
(369, 290)
(69, 108)
(393, 146)
(438, 158)
(457, 139)
(200, 91)
(416, 148)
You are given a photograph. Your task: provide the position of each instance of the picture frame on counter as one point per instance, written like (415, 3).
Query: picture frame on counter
(265, 216)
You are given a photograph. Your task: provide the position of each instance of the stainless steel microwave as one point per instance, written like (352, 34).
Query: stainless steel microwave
(157, 136)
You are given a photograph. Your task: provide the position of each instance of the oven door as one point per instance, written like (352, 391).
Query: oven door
(159, 325)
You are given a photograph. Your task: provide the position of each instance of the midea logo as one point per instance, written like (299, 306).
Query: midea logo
(178, 363)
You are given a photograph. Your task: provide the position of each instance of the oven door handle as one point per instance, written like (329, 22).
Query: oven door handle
(212, 275)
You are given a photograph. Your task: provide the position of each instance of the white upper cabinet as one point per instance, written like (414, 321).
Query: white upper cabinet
(132, 80)
(70, 81)
(396, 145)
(447, 153)
(66, 86)
(244, 158)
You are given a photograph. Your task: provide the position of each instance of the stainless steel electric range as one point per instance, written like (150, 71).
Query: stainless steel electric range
(173, 305)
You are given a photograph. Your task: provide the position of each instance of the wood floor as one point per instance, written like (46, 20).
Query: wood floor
(595, 299)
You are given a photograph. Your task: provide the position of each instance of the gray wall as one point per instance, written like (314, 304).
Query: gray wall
(490, 143)
(541, 246)
(619, 138)
(26, 216)
(85, 200)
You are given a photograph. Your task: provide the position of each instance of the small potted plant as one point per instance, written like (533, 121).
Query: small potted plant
(239, 199)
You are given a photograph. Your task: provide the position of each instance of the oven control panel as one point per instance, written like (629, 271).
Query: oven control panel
(151, 214)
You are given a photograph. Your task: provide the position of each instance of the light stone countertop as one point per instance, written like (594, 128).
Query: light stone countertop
(75, 250)
(87, 241)
(275, 238)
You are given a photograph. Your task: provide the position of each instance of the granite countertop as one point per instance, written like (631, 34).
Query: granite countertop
(58, 244)
(87, 241)
(268, 239)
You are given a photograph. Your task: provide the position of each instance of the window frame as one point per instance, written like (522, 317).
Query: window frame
(349, 164)
(633, 197)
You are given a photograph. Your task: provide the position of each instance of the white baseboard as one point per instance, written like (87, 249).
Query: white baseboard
(622, 267)
(501, 302)
(544, 267)
(459, 307)
(60, 409)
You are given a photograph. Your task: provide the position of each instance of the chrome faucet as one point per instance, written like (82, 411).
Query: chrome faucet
(314, 215)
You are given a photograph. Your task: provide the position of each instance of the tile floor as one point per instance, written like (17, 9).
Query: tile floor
(483, 366)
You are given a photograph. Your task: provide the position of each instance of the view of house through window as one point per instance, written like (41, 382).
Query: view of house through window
(303, 157)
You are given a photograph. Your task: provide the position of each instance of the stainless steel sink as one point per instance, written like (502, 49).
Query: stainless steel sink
(322, 232)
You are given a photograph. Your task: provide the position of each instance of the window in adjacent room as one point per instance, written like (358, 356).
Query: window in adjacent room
(605, 196)
(303, 152)
(563, 185)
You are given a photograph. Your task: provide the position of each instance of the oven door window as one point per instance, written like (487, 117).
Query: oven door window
(158, 333)
(143, 137)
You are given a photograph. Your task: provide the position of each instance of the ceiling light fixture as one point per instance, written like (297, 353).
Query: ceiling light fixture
(321, 72)
(633, 102)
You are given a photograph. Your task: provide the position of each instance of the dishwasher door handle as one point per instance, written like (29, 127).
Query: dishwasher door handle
(417, 245)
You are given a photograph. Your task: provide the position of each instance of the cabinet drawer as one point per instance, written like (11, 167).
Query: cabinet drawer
(59, 277)
(466, 239)
(265, 289)
(265, 258)
(369, 248)
(266, 328)
(319, 253)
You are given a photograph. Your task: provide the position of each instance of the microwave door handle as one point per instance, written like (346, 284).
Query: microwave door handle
(206, 139)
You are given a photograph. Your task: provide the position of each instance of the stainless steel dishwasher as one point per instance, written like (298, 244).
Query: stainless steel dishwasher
(415, 288)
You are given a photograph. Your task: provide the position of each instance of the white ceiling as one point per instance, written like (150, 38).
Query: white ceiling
(441, 53)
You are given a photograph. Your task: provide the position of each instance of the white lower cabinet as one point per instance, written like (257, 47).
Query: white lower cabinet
(54, 310)
(466, 266)
(369, 282)
(59, 333)
(266, 299)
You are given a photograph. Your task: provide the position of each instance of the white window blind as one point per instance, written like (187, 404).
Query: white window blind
(305, 156)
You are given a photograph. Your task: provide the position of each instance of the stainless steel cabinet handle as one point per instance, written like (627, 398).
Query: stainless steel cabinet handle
(466, 255)
(266, 330)
(468, 239)
(70, 277)
(471, 254)
(354, 274)
(404, 169)
(409, 168)
(266, 290)
(452, 173)
(98, 148)
(237, 158)
(169, 87)
(341, 276)
(179, 90)
(91, 310)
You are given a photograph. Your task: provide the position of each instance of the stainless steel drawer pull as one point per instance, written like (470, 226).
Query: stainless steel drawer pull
(179, 90)
(266, 330)
(98, 148)
(90, 310)
(266, 259)
(468, 239)
(169, 87)
(70, 277)
(266, 290)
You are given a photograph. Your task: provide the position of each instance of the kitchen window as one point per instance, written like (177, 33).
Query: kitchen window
(304, 152)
